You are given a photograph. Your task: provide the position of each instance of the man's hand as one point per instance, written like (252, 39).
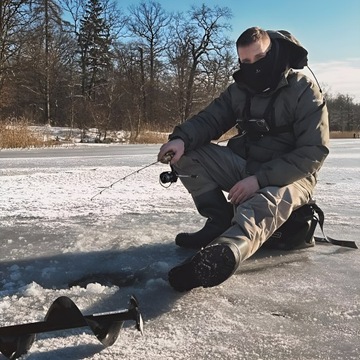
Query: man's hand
(243, 190)
(175, 147)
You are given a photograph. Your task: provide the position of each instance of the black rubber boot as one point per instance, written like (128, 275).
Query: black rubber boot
(219, 212)
(210, 266)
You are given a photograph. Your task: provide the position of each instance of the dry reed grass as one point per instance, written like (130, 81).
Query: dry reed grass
(150, 137)
(15, 133)
(344, 134)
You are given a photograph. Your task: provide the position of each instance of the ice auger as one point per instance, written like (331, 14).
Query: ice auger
(16, 340)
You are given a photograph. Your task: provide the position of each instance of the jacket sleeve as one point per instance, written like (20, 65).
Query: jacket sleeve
(311, 132)
(209, 124)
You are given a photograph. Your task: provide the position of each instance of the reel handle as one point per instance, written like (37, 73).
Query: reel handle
(167, 157)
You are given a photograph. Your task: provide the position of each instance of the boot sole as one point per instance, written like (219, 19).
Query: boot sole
(209, 267)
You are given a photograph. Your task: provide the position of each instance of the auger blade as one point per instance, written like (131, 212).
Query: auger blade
(63, 314)
(15, 346)
(106, 326)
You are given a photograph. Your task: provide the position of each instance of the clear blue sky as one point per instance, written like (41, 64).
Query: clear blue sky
(328, 29)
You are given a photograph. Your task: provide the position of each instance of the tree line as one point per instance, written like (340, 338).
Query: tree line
(89, 63)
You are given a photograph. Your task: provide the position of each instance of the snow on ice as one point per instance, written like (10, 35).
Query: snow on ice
(57, 241)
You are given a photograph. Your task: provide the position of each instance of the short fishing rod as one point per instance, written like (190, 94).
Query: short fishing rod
(165, 159)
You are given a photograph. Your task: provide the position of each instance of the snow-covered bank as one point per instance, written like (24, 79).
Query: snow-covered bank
(56, 241)
(76, 135)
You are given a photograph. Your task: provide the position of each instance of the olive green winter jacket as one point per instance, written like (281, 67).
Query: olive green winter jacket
(294, 153)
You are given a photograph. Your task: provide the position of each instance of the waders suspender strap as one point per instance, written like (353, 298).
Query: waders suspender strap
(268, 116)
(319, 217)
(247, 112)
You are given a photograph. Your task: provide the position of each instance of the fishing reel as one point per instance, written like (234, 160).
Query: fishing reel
(168, 177)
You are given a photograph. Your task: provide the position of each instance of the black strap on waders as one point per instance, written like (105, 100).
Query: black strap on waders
(319, 217)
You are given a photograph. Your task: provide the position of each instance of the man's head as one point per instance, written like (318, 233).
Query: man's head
(262, 62)
(252, 45)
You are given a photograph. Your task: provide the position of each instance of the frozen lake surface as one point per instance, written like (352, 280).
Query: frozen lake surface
(56, 241)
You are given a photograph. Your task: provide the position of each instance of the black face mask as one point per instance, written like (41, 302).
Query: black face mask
(265, 73)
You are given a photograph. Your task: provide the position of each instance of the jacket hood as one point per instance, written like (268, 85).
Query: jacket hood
(297, 53)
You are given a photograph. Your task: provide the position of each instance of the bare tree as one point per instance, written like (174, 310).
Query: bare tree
(52, 14)
(196, 38)
(129, 80)
(14, 22)
(149, 22)
(216, 71)
(344, 114)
